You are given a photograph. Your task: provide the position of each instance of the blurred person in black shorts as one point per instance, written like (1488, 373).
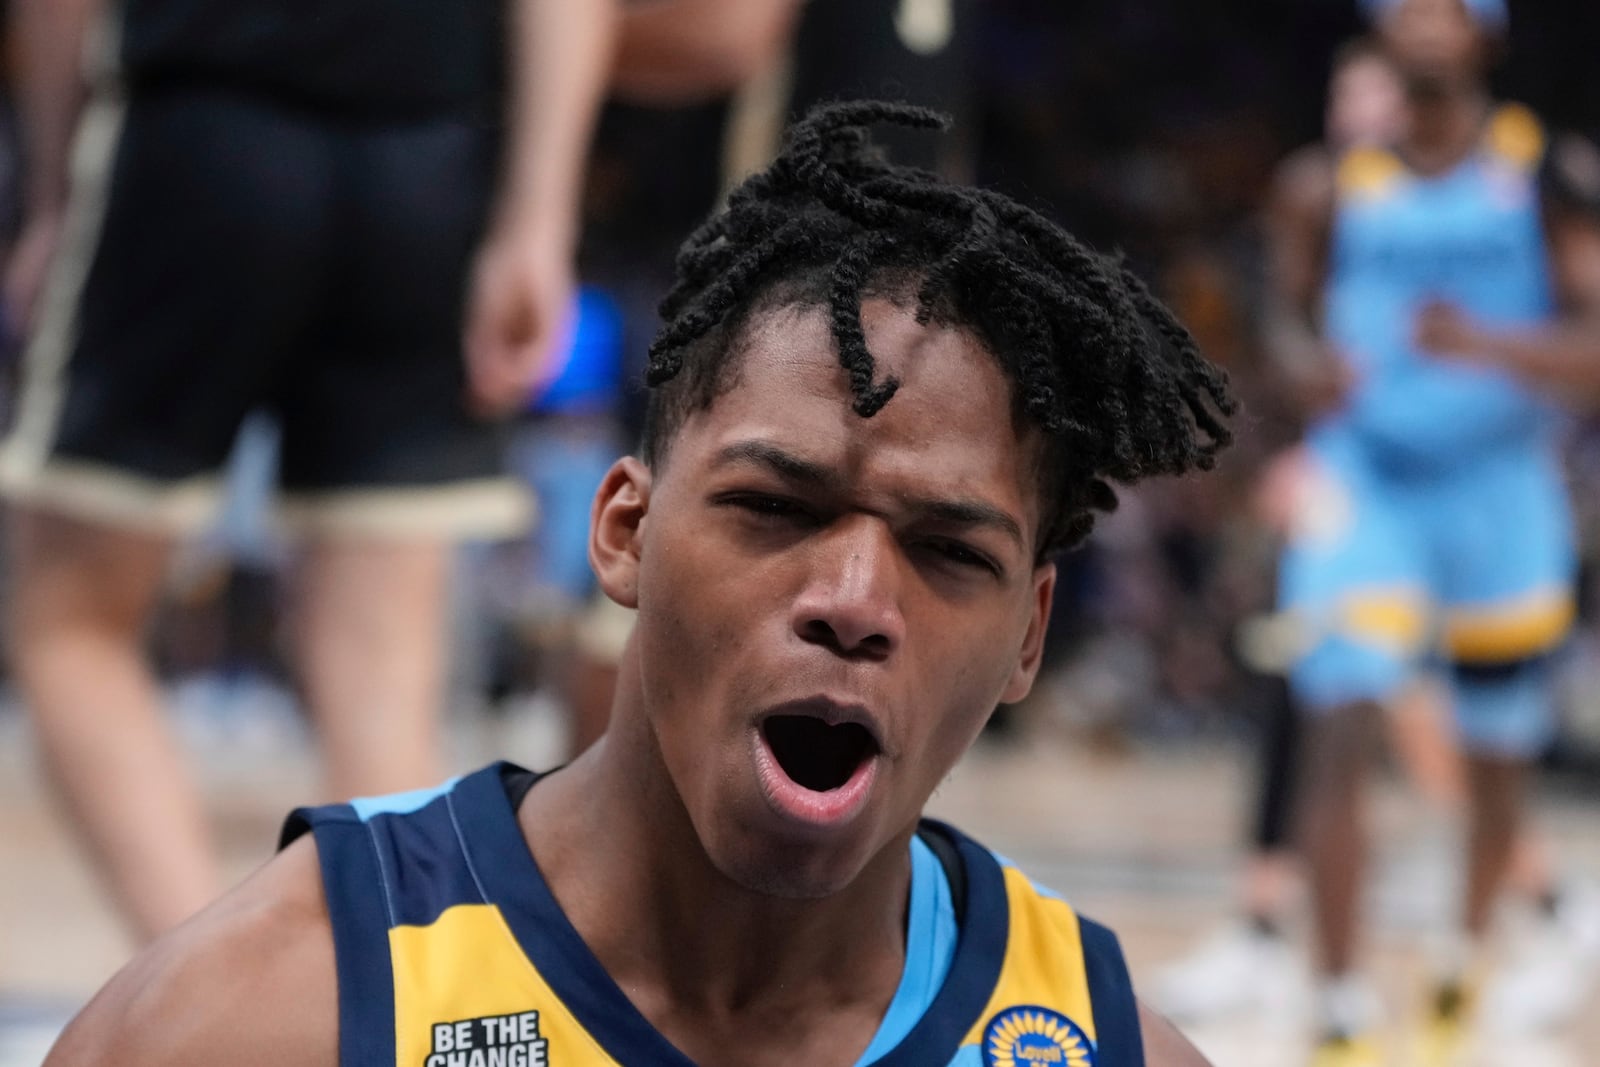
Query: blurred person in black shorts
(273, 204)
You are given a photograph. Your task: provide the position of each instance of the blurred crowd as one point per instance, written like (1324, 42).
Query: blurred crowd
(1153, 128)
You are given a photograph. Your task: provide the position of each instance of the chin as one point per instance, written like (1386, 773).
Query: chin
(793, 870)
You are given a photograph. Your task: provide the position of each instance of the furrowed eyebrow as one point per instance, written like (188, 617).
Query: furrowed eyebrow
(971, 513)
(783, 463)
(967, 513)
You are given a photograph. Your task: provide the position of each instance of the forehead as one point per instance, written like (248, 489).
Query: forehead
(950, 425)
(1454, 9)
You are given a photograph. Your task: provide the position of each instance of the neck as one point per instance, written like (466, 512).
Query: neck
(623, 859)
(1446, 120)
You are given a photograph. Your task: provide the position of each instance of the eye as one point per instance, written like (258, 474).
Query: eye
(962, 555)
(768, 507)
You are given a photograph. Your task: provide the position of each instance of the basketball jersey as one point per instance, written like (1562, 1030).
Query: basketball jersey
(1472, 237)
(453, 952)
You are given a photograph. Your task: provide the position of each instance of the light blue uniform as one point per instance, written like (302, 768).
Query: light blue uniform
(1438, 522)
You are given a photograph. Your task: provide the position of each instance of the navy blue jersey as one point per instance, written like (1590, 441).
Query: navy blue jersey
(453, 952)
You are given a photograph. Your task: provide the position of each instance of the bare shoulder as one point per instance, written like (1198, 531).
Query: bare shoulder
(250, 980)
(1164, 1046)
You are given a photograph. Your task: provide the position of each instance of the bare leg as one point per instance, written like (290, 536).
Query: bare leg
(1496, 786)
(82, 594)
(1269, 882)
(1532, 874)
(370, 642)
(1424, 738)
(1338, 753)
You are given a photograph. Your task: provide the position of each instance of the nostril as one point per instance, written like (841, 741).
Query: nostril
(821, 632)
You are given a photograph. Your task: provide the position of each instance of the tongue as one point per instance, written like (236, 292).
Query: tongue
(815, 755)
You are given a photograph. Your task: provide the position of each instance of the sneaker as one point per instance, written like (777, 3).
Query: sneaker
(1445, 1026)
(1577, 918)
(1238, 968)
(1347, 1050)
(1551, 971)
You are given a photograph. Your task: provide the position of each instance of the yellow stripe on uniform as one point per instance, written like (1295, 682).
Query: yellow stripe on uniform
(1044, 960)
(1510, 631)
(1390, 619)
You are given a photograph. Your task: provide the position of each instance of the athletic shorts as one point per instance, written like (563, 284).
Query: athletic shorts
(225, 255)
(1475, 569)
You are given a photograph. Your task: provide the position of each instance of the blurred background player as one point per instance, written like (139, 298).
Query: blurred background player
(270, 211)
(1436, 510)
(1248, 964)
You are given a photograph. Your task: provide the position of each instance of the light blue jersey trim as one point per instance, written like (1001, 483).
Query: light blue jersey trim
(399, 803)
(1043, 891)
(931, 933)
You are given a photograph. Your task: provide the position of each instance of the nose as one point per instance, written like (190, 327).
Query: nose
(851, 603)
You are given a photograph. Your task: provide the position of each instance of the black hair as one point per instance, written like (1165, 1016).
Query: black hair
(1113, 381)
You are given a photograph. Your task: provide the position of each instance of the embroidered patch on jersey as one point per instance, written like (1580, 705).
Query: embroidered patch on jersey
(1030, 1035)
(491, 1041)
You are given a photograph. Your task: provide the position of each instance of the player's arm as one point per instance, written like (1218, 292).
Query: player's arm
(249, 981)
(522, 285)
(1564, 356)
(1299, 221)
(48, 50)
(1164, 1046)
(685, 51)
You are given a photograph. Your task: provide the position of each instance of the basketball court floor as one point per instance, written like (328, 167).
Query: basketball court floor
(1143, 840)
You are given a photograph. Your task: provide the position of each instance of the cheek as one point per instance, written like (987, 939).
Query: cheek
(964, 681)
(692, 626)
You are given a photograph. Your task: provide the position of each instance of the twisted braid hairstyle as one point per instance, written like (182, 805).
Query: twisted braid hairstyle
(1111, 380)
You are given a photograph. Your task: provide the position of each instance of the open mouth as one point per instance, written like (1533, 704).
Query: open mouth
(817, 755)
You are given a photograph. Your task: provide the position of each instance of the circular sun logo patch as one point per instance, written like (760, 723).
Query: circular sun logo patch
(1034, 1037)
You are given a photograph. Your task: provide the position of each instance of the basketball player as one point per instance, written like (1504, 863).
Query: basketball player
(882, 403)
(1247, 964)
(1436, 505)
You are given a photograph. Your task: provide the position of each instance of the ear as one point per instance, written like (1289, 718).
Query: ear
(616, 526)
(1032, 652)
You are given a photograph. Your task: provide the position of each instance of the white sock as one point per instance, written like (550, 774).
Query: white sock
(1457, 956)
(1347, 1004)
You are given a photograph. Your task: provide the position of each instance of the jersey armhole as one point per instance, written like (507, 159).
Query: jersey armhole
(353, 886)
(517, 781)
(1116, 1011)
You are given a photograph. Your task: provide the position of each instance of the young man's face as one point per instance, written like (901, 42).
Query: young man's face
(1435, 42)
(831, 606)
